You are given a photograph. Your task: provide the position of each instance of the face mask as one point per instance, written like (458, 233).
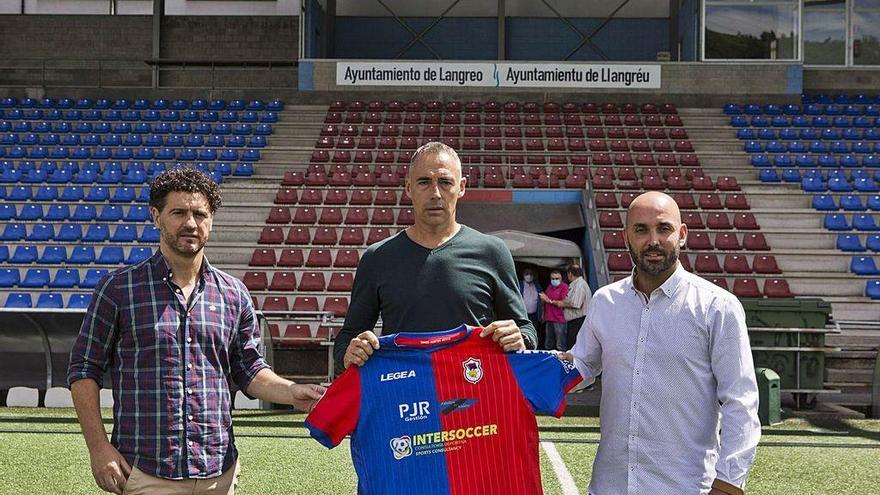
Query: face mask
(555, 283)
(528, 278)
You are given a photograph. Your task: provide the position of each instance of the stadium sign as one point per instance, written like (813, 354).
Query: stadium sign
(502, 75)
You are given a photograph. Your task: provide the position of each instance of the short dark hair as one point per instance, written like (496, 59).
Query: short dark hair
(185, 179)
(575, 271)
(555, 271)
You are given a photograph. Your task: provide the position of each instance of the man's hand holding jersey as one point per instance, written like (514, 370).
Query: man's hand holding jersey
(505, 332)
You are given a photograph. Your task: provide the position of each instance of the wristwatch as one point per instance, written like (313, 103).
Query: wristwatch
(530, 343)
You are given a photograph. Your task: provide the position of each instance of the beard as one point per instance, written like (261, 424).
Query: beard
(650, 267)
(174, 242)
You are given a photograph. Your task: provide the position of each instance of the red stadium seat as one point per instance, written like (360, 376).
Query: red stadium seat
(718, 221)
(727, 184)
(306, 216)
(336, 197)
(286, 196)
(255, 280)
(319, 258)
(330, 216)
(626, 198)
(710, 202)
(336, 305)
(693, 220)
(777, 287)
(745, 221)
(356, 216)
(727, 242)
(685, 261)
(606, 200)
(734, 263)
(613, 240)
(755, 242)
(279, 215)
(271, 235)
(619, 262)
(263, 257)
(702, 183)
(283, 281)
(276, 304)
(685, 201)
(293, 179)
(720, 282)
(290, 258)
(698, 241)
(707, 263)
(746, 287)
(312, 282)
(766, 265)
(340, 282)
(610, 220)
(305, 303)
(406, 217)
(324, 235)
(346, 258)
(377, 235)
(352, 237)
(735, 202)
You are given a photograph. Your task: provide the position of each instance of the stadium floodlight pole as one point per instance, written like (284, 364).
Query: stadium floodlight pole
(425, 31)
(411, 30)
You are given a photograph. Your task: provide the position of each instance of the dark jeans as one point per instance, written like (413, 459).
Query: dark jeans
(573, 327)
(539, 329)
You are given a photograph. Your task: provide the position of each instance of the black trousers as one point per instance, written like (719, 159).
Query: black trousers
(539, 329)
(572, 330)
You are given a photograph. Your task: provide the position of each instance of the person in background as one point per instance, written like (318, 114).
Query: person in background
(530, 289)
(554, 317)
(575, 305)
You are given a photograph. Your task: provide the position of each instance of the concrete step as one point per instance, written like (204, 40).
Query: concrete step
(857, 399)
(849, 375)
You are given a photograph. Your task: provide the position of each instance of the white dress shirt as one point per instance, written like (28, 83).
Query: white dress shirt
(672, 367)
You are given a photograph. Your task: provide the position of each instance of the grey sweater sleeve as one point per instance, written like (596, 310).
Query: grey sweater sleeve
(363, 310)
(508, 301)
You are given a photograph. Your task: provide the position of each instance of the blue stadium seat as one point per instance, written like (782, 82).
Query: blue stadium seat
(275, 106)
(873, 202)
(872, 289)
(35, 278)
(65, 279)
(7, 212)
(50, 300)
(864, 223)
(836, 222)
(863, 265)
(244, 170)
(97, 232)
(837, 184)
(13, 232)
(84, 213)
(269, 117)
(46, 193)
(255, 105)
(98, 194)
(19, 193)
(30, 212)
(82, 255)
(110, 213)
(137, 214)
(852, 202)
(873, 242)
(768, 175)
(24, 255)
(124, 233)
(53, 255)
(753, 147)
(41, 232)
(111, 255)
(263, 130)
(138, 254)
(824, 202)
(849, 243)
(69, 232)
(795, 146)
(150, 234)
(4, 254)
(224, 168)
(813, 185)
(866, 184)
(18, 300)
(92, 277)
(9, 277)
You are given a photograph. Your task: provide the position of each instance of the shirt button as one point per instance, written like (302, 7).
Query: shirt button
(190, 417)
(190, 442)
(189, 339)
(178, 291)
(189, 366)
(190, 391)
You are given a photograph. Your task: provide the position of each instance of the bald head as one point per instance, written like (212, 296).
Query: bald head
(654, 234)
(653, 204)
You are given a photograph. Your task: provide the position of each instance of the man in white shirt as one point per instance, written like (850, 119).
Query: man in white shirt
(679, 396)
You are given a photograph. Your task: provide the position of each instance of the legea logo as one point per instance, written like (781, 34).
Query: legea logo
(397, 375)
(401, 447)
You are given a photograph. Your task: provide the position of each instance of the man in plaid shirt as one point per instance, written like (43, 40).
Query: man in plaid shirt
(173, 331)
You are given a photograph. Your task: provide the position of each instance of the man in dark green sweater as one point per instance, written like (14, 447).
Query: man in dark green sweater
(435, 275)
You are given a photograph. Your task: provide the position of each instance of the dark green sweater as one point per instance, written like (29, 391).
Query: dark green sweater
(469, 279)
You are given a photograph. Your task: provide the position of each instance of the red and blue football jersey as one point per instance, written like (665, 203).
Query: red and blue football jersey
(444, 413)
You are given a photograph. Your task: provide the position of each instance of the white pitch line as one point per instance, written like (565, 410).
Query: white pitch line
(565, 479)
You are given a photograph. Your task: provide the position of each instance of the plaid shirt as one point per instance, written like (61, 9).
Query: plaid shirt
(170, 364)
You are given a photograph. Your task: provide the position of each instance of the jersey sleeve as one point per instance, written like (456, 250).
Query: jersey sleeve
(544, 379)
(336, 413)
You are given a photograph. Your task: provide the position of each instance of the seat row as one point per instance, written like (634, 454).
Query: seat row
(839, 184)
(301, 334)
(705, 201)
(513, 131)
(38, 278)
(295, 258)
(790, 134)
(110, 173)
(324, 236)
(723, 241)
(821, 122)
(824, 160)
(852, 243)
(847, 202)
(742, 287)
(132, 140)
(863, 265)
(286, 281)
(815, 147)
(514, 144)
(339, 216)
(79, 255)
(73, 232)
(32, 212)
(46, 300)
(652, 180)
(338, 197)
(94, 132)
(69, 116)
(733, 264)
(454, 106)
(141, 104)
(840, 222)
(532, 119)
(333, 304)
(125, 153)
(864, 106)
